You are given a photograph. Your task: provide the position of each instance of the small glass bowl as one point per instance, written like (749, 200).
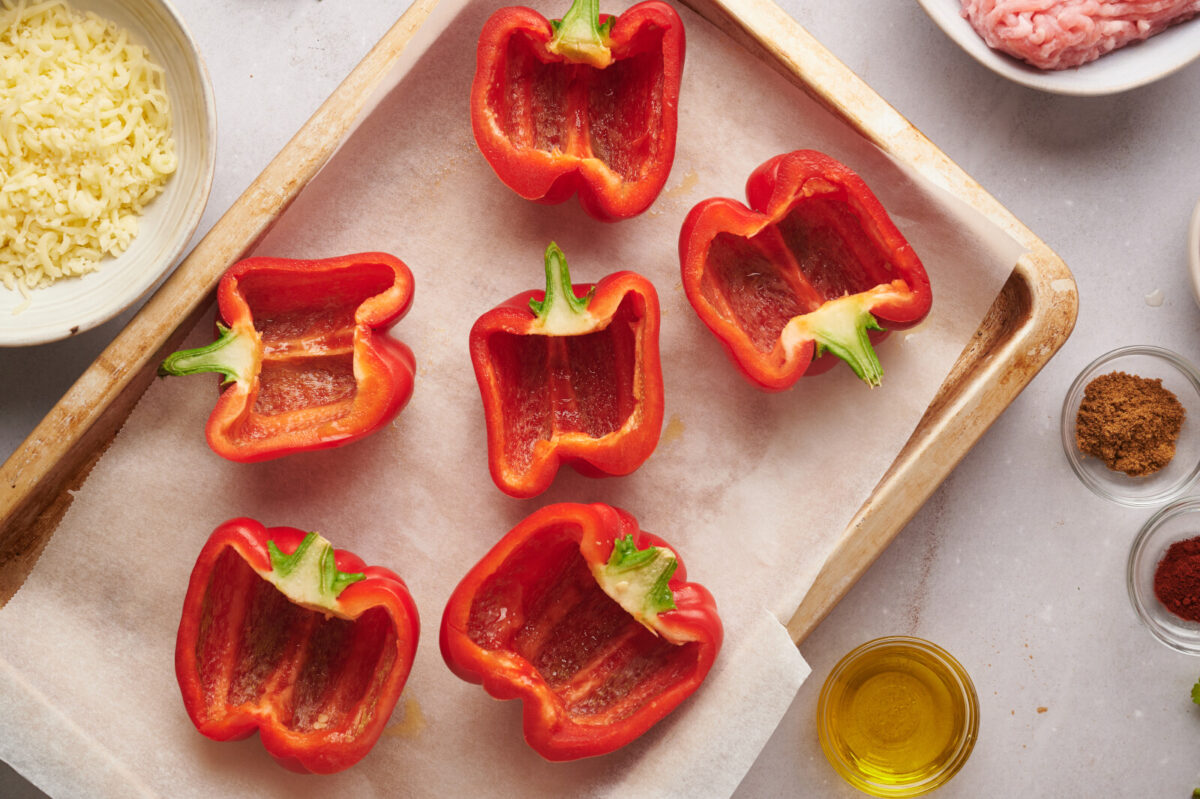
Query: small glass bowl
(1176, 522)
(867, 733)
(1168, 483)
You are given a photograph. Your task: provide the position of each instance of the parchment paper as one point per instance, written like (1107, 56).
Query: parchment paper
(752, 489)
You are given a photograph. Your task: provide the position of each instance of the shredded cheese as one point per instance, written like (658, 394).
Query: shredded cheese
(85, 141)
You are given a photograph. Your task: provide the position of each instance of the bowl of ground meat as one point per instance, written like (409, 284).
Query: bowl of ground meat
(1131, 426)
(107, 152)
(1074, 47)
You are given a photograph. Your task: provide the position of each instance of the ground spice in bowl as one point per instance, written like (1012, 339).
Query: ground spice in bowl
(1177, 579)
(1130, 423)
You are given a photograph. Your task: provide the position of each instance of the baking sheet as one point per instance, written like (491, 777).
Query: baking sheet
(753, 489)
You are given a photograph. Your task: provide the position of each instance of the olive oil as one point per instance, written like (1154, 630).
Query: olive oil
(897, 717)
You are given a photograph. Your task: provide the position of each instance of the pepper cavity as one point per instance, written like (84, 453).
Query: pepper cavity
(813, 265)
(306, 348)
(285, 635)
(537, 619)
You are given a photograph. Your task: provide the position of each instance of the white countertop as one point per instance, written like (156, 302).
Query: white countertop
(1013, 566)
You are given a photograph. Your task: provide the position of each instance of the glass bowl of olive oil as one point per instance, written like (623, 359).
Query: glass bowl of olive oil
(898, 716)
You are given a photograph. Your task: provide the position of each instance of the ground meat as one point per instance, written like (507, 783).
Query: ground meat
(1057, 34)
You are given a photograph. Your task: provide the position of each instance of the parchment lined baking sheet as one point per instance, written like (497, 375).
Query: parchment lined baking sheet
(753, 489)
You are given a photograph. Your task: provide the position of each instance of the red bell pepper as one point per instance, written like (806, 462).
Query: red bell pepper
(586, 619)
(283, 634)
(569, 374)
(813, 265)
(305, 346)
(588, 104)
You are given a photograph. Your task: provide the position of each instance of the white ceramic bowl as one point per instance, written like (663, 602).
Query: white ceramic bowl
(1127, 68)
(73, 305)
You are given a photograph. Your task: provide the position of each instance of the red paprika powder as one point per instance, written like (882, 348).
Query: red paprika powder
(1177, 579)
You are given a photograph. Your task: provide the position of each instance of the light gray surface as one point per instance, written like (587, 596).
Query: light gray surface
(1013, 566)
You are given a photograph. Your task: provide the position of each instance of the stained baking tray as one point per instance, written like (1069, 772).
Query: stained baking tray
(1029, 320)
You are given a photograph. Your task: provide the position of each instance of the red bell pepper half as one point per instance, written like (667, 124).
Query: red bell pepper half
(284, 634)
(569, 374)
(812, 266)
(586, 619)
(304, 344)
(588, 104)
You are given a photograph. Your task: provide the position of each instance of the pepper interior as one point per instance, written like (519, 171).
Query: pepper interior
(544, 605)
(817, 251)
(555, 385)
(306, 321)
(613, 114)
(261, 655)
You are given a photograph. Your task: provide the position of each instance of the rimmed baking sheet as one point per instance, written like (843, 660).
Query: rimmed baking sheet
(755, 490)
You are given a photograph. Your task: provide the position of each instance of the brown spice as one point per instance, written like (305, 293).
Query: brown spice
(1131, 423)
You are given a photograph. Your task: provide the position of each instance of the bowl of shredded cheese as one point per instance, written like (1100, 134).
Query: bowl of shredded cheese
(107, 153)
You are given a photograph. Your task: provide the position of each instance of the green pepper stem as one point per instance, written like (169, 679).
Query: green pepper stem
(580, 37)
(560, 312)
(309, 576)
(232, 354)
(857, 352)
(627, 558)
(840, 327)
(638, 579)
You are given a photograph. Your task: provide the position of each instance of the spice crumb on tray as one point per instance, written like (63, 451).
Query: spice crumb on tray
(1131, 423)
